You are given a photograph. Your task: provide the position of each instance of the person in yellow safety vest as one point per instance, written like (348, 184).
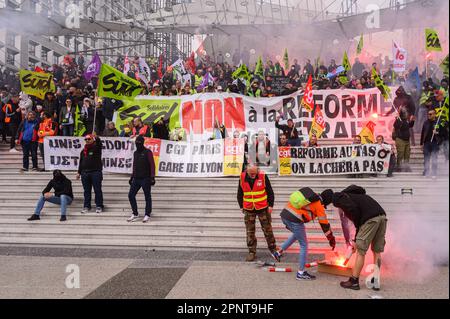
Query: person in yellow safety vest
(188, 90)
(304, 206)
(256, 198)
(198, 78)
(254, 90)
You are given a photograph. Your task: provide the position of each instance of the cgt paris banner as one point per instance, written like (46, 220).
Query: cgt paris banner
(176, 159)
(334, 160)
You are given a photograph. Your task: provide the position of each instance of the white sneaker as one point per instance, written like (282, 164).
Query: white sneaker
(98, 210)
(13, 150)
(85, 210)
(133, 218)
(146, 219)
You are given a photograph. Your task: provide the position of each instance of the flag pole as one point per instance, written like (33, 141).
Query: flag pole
(434, 129)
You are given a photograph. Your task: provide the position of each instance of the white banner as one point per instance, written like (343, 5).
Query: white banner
(178, 159)
(334, 160)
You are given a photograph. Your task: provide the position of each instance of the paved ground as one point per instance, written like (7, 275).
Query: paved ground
(44, 273)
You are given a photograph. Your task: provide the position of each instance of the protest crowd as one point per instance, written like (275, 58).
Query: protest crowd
(74, 108)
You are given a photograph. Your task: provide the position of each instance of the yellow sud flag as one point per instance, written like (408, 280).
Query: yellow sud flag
(442, 113)
(432, 42)
(36, 83)
(444, 66)
(318, 124)
(360, 45)
(114, 84)
(286, 61)
(367, 133)
(384, 89)
(346, 64)
(308, 101)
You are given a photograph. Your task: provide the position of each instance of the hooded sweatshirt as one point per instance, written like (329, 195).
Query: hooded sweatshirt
(61, 184)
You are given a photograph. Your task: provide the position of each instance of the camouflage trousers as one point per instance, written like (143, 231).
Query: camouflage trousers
(266, 224)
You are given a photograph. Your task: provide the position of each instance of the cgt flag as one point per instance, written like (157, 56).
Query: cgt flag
(384, 89)
(367, 133)
(36, 83)
(318, 124)
(308, 101)
(432, 42)
(116, 85)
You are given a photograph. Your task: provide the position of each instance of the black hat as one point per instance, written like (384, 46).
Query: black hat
(140, 140)
(327, 197)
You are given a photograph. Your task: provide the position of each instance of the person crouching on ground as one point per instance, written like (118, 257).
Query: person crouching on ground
(143, 176)
(370, 222)
(63, 195)
(305, 205)
(256, 198)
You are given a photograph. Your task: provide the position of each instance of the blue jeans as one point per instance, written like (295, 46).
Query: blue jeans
(63, 200)
(27, 148)
(89, 180)
(298, 234)
(135, 186)
(430, 154)
(67, 130)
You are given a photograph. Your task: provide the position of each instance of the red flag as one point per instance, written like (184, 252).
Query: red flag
(38, 69)
(160, 67)
(67, 60)
(308, 101)
(318, 125)
(190, 63)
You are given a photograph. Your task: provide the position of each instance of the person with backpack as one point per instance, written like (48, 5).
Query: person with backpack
(303, 206)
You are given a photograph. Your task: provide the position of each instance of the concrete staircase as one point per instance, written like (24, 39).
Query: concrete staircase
(188, 213)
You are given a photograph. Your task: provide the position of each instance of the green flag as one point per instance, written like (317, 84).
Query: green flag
(241, 73)
(432, 42)
(79, 129)
(36, 83)
(360, 44)
(444, 66)
(384, 89)
(259, 69)
(442, 113)
(343, 78)
(286, 61)
(116, 85)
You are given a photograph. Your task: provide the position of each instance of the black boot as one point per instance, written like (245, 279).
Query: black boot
(34, 217)
(351, 283)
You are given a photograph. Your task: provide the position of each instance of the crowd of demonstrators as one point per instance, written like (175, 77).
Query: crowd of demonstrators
(75, 93)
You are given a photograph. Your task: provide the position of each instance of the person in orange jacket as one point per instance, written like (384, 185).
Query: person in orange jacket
(46, 128)
(303, 206)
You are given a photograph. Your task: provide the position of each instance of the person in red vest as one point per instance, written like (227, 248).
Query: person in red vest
(256, 198)
(139, 128)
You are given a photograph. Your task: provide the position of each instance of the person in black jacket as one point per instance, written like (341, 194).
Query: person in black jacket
(63, 195)
(402, 125)
(370, 222)
(289, 130)
(429, 140)
(90, 170)
(161, 129)
(143, 176)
